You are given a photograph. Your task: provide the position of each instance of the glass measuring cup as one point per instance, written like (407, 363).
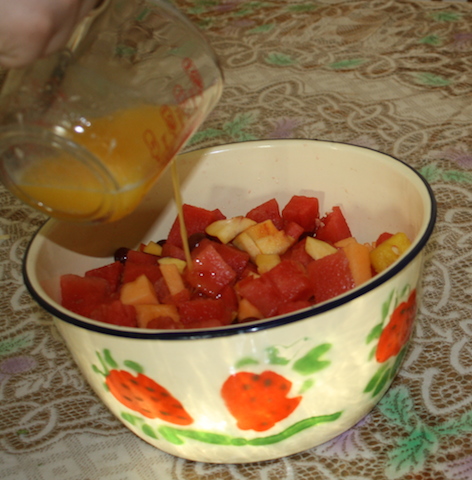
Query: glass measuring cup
(86, 132)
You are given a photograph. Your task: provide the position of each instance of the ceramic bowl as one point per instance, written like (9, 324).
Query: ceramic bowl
(314, 373)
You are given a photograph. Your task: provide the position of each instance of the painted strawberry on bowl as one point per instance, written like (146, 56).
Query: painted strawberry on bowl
(397, 332)
(263, 389)
(258, 401)
(140, 393)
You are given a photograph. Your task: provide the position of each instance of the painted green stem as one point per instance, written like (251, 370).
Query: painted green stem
(174, 435)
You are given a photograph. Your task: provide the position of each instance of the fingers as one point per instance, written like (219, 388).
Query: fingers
(31, 29)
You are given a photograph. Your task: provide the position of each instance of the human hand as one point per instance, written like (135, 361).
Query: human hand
(31, 29)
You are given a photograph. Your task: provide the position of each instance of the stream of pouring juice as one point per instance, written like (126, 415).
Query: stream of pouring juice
(132, 145)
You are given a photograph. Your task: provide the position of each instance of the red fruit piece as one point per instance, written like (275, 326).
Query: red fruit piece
(196, 220)
(267, 211)
(164, 323)
(111, 273)
(330, 276)
(333, 227)
(293, 306)
(209, 273)
(82, 295)
(258, 402)
(235, 258)
(230, 299)
(302, 210)
(170, 250)
(262, 293)
(292, 229)
(132, 271)
(382, 237)
(291, 281)
(135, 256)
(204, 312)
(298, 253)
(143, 395)
(397, 332)
(115, 313)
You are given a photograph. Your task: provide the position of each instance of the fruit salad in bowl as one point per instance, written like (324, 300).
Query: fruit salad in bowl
(279, 327)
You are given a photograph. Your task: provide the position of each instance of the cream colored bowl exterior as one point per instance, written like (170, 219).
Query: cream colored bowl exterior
(326, 361)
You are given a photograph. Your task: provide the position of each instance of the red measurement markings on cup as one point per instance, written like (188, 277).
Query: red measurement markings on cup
(177, 119)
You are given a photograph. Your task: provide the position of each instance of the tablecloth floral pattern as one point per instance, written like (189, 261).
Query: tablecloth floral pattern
(393, 75)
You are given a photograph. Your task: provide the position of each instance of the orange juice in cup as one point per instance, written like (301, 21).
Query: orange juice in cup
(129, 149)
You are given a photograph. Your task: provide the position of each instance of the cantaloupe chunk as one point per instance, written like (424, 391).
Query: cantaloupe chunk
(172, 277)
(358, 256)
(345, 241)
(146, 313)
(247, 311)
(138, 292)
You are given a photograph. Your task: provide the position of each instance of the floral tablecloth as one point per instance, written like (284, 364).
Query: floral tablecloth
(394, 75)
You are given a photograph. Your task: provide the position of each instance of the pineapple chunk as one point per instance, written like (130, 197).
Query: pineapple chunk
(180, 264)
(389, 251)
(318, 249)
(265, 238)
(244, 242)
(262, 230)
(266, 261)
(153, 248)
(227, 229)
(277, 243)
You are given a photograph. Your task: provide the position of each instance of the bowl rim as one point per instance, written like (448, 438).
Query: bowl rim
(250, 327)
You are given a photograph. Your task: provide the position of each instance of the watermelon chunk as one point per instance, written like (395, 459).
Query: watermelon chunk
(304, 211)
(235, 258)
(164, 323)
(330, 276)
(294, 230)
(171, 250)
(333, 227)
(261, 293)
(204, 312)
(196, 220)
(209, 273)
(291, 281)
(267, 211)
(135, 256)
(229, 298)
(298, 253)
(132, 271)
(115, 313)
(382, 237)
(293, 306)
(164, 295)
(111, 273)
(82, 295)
